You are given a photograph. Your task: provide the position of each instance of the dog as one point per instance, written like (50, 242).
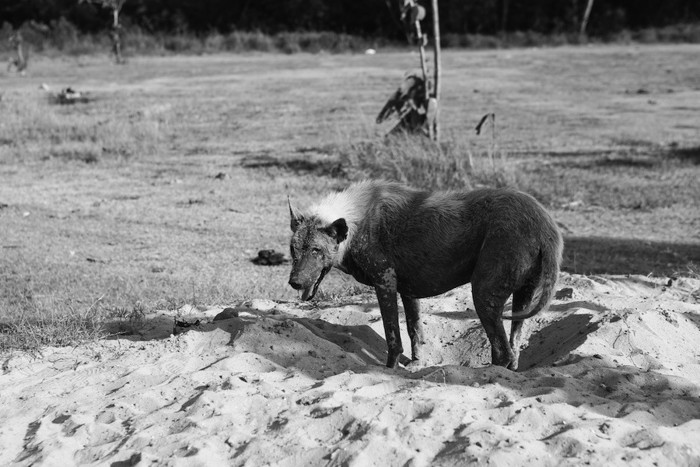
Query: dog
(419, 244)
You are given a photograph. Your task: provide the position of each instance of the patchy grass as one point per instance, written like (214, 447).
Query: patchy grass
(43, 130)
(614, 183)
(656, 178)
(61, 328)
(414, 160)
(64, 39)
(605, 255)
(417, 161)
(31, 320)
(691, 270)
(160, 191)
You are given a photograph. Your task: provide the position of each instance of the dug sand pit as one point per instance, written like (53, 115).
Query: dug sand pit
(610, 375)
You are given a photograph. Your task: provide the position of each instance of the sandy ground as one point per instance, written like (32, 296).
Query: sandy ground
(610, 375)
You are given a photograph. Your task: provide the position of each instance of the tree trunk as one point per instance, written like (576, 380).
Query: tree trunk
(586, 15)
(115, 36)
(504, 16)
(437, 69)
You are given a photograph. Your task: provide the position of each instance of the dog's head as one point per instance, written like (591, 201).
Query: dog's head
(314, 247)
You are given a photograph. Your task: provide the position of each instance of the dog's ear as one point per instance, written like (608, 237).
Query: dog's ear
(296, 218)
(338, 230)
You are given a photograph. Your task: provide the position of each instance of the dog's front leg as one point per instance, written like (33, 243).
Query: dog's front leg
(385, 286)
(415, 328)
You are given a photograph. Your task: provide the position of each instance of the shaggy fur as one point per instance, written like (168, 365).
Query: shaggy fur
(420, 244)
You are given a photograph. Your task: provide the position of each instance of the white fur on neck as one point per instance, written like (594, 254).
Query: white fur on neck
(350, 205)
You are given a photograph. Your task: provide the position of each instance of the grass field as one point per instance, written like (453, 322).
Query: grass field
(160, 190)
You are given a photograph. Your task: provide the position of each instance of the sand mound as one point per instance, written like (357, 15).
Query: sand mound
(610, 374)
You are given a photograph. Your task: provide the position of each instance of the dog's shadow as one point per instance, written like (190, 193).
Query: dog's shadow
(556, 340)
(359, 344)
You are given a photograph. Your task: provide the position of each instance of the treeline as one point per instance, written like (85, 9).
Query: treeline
(368, 18)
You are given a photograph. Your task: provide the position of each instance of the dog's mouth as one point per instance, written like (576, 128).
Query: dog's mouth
(310, 292)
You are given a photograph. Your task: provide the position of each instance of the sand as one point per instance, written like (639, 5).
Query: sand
(610, 375)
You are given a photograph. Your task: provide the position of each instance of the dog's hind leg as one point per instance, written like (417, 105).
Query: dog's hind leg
(521, 301)
(415, 328)
(387, 295)
(516, 329)
(490, 311)
(490, 292)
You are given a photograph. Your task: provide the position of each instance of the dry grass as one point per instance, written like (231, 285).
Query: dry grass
(411, 159)
(691, 270)
(123, 198)
(31, 320)
(417, 161)
(65, 39)
(43, 130)
(618, 183)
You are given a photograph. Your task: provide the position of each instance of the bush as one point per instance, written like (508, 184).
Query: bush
(62, 34)
(64, 37)
(479, 41)
(5, 32)
(182, 43)
(288, 42)
(680, 33)
(136, 40)
(257, 41)
(214, 42)
(646, 36)
(313, 42)
(408, 159)
(417, 161)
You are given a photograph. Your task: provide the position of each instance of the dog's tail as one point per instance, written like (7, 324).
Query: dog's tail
(550, 259)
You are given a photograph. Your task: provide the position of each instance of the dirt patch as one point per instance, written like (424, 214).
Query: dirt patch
(610, 373)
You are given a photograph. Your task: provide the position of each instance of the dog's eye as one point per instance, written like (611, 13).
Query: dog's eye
(316, 251)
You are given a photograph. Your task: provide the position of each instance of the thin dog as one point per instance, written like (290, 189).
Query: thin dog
(420, 244)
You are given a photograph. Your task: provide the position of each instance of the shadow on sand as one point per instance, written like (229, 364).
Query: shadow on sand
(556, 340)
(285, 340)
(605, 255)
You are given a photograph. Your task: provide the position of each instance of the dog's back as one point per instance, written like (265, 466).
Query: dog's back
(434, 240)
(422, 244)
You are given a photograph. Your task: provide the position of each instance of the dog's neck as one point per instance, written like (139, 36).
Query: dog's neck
(352, 205)
(358, 204)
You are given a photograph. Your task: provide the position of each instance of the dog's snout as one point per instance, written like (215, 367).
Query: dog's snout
(294, 282)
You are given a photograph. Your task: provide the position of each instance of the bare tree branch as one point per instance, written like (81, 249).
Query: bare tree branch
(586, 15)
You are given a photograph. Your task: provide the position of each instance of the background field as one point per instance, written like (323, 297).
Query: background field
(160, 190)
